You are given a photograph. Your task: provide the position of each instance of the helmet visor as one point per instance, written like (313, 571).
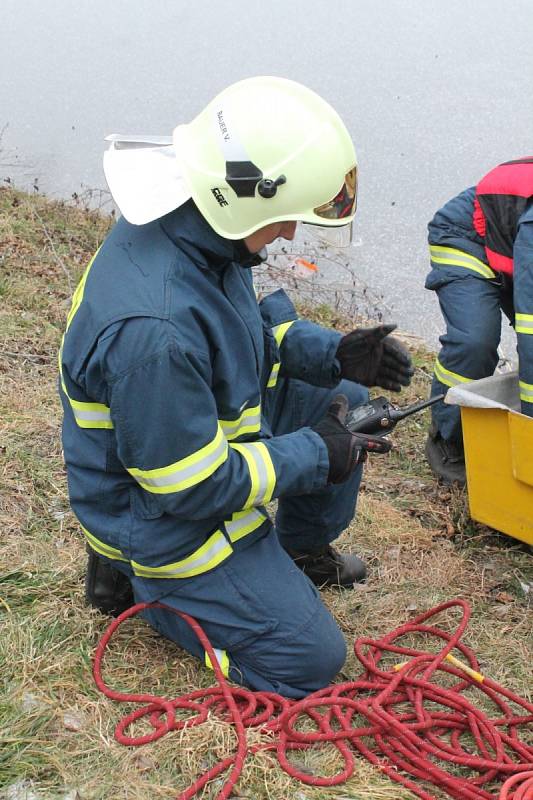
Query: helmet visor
(344, 203)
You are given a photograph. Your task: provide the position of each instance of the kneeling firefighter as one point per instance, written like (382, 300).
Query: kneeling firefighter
(481, 247)
(188, 405)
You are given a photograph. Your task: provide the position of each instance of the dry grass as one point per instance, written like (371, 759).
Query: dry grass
(57, 731)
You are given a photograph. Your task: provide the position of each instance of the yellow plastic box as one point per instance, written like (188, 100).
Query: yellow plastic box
(498, 442)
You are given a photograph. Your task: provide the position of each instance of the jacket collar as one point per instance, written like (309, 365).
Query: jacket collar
(191, 233)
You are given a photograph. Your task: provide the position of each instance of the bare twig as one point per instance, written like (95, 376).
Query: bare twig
(57, 257)
(29, 356)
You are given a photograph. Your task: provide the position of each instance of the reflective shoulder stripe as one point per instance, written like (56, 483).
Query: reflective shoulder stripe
(244, 522)
(77, 297)
(262, 473)
(102, 548)
(458, 258)
(523, 323)
(215, 550)
(273, 379)
(188, 471)
(526, 391)
(222, 658)
(279, 331)
(87, 415)
(447, 377)
(248, 422)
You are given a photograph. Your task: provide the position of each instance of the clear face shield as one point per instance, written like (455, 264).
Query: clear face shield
(342, 205)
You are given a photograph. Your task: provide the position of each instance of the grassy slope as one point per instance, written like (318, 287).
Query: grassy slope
(57, 731)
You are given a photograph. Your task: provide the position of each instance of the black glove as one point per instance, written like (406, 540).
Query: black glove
(345, 449)
(371, 357)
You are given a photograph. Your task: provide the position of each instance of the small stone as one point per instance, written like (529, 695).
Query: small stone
(73, 722)
(31, 702)
(504, 597)
(21, 790)
(144, 763)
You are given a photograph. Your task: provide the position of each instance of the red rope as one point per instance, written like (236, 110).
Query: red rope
(403, 719)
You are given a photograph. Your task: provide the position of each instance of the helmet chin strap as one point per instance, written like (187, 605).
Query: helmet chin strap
(245, 258)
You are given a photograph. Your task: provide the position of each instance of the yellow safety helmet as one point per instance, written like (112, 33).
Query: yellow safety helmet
(268, 150)
(264, 150)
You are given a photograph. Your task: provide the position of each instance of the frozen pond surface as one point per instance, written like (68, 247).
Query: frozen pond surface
(434, 94)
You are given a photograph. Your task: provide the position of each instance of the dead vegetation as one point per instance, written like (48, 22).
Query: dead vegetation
(56, 731)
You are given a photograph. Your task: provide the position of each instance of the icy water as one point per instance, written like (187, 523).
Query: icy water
(433, 93)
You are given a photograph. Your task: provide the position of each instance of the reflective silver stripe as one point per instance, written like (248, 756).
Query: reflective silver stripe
(273, 379)
(262, 473)
(222, 658)
(248, 422)
(447, 377)
(526, 391)
(524, 323)
(453, 257)
(244, 522)
(188, 471)
(209, 555)
(88, 415)
(279, 331)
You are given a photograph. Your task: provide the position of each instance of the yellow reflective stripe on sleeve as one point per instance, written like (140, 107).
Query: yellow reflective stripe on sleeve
(222, 658)
(86, 415)
(523, 323)
(447, 377)
(215, 550)
(279, 331)
(102, 548)
(188, 471)
(273, 379)
(244, 522)
(262, 473)
(458, 258)
(248, 422)
(526, 391)
(90, 415)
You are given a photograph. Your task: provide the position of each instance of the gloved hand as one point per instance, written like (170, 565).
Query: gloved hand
(371, 357)
(345, 449)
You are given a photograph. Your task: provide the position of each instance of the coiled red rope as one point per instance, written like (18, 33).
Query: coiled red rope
(419, 730)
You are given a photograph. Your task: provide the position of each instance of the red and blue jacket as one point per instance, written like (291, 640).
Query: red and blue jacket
(487, 230)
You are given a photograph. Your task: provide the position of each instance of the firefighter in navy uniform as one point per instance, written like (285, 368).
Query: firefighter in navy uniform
(189, 406)
(481, 249)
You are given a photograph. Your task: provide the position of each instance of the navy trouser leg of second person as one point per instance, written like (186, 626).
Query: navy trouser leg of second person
(471, 307)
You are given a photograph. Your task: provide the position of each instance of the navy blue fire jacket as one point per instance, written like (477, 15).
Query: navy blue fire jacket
(168, 367)
(452, 230)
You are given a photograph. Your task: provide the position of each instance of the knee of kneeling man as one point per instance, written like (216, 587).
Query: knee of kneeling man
(325, 660)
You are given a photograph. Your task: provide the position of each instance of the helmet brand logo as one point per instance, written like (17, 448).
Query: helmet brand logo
(219, 197)
(222, 126)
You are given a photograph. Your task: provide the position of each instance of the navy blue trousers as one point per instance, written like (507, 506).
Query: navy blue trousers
(257, 606)
(472, 309)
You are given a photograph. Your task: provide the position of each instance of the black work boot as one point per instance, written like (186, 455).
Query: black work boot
(106, 588)
(328, 567)
(446, 459)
